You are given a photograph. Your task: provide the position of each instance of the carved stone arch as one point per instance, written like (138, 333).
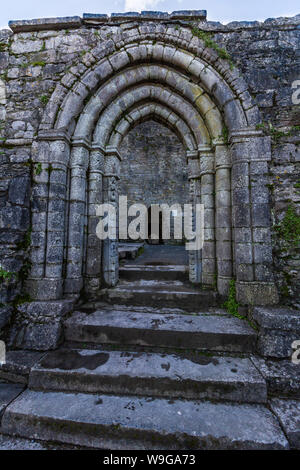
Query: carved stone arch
(152, 110)
(153, 93)
(149, 75)
(227, 176)
(111, 57)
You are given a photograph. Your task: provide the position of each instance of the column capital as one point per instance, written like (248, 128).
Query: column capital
(243, 135)
(54, 134)
(111, 151)
(81, 142)
(205, 148)
(192, 154)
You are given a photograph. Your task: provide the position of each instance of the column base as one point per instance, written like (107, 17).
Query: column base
(223, 285)
(39, 325)
(44, 289)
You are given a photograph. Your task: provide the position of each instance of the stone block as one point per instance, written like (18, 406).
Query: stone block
(44, 289)
(244, 272)
(241, 215)
(15, 218)
(256, 293)
(43, 24)
(19, 190)
(38, 325)
(5, 315)
(288, 413)
(260, 215)
(8, 393)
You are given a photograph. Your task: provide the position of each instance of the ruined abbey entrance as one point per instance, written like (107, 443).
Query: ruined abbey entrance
(189, 89)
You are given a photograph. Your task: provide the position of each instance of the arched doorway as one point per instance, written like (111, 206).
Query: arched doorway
(200, 98)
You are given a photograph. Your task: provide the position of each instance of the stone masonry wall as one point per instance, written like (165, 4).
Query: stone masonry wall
(153, 169)
(34, 61)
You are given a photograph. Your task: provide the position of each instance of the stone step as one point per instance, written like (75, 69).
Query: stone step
(282, 376)
(8, 392)
(150, 374)
(129, 250)
(200, 332)
(160, 293)
(126, 422)
(160, 273)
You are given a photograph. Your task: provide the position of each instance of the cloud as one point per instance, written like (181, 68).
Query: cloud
(139, 5)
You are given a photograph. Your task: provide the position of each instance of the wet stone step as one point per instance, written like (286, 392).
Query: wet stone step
(150, 374)
(164, 273)
(206, 332)
(174, 294)
(127, 422)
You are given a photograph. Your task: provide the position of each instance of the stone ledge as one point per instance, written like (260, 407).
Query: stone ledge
(146, 15)
(42, 24)
(283, 318)
(279, 327)
(68, 22)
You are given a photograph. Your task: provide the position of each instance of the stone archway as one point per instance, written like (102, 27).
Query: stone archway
(203, 100)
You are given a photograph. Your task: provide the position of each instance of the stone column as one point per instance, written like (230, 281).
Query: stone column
(195, 262)
(94, 244)
(77, 208)
(48, 218)
(223, 217)
(207, 174)
(251, 218)
(110, 196)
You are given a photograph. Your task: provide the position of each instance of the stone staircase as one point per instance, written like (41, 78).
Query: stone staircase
(151, 286)
(139, 376)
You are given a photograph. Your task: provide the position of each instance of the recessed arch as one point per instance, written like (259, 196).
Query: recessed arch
(215, 75)
(133, 78)
(152, 110)
(153, 93)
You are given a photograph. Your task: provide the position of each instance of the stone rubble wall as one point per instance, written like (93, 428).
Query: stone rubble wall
(38, 54)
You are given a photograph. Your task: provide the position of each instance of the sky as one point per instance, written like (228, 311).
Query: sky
(217, 10)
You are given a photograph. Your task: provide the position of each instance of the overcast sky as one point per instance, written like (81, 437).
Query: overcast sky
(217, 10)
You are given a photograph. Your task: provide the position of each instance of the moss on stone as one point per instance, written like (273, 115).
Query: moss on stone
(289, 228)
(209, 42)
(231, 304)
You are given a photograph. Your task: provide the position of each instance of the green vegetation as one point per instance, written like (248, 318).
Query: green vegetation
(38, 168)
(207, 38)
(289, 228)
(21, 299)
(5, 275)
(276, 135)
(231, 304)
(44, 99)
(38, 63)
(225, 134)
(24, 271)
(25, 243)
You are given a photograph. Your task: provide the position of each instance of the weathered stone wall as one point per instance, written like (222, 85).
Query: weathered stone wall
(153, 169)
(32, 63)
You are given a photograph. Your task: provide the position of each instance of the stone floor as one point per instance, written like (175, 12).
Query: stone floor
(162, 255)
